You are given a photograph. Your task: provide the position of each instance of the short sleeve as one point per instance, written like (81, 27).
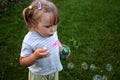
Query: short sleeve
(26, 50)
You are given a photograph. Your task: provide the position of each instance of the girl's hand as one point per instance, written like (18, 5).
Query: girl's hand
(30, 60)
(68, 55)
(41, 53)
(60, 47)
(63, 49)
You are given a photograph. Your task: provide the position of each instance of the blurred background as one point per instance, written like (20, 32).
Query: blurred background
(89, 27)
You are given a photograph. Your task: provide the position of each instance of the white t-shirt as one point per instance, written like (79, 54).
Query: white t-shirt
(47, 65)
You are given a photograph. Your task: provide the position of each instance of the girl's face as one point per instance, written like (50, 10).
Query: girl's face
(44, 27)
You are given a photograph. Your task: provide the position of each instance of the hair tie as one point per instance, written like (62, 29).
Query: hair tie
(30, 7)
(39, 5)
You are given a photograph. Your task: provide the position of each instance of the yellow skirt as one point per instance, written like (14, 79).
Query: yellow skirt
(53, 76)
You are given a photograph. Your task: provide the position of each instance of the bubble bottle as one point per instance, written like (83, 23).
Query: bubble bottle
(65, 52)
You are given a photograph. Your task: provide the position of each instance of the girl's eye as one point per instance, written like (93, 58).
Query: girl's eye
(47, 26)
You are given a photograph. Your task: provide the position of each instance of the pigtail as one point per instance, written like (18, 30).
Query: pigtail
(27, 15)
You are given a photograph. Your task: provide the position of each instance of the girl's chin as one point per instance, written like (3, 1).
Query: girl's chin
(50, 34)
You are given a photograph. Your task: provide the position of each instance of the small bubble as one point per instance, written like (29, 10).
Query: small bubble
(70, 65)
(109, 67)
(104, 77)
(84, 66)
(92, 67)
(97, 77)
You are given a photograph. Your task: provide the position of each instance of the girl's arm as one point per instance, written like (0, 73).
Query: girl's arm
(61, 47)
(31, 59)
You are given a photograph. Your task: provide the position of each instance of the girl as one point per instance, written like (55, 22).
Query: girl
(41, 47)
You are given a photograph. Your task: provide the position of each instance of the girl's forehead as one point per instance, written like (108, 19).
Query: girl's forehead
(47, 19)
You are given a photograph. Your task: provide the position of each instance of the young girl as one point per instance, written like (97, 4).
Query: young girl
(41, 47)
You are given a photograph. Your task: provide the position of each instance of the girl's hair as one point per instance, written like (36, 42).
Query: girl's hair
(32, 14)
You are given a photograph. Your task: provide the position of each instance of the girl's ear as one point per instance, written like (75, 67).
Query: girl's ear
(31, 23)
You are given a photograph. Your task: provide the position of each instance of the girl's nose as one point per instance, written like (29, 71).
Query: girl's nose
(53, 29)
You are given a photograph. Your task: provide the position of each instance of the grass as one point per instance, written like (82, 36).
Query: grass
(89, 27)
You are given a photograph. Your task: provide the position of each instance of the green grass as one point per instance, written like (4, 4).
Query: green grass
(89, 27)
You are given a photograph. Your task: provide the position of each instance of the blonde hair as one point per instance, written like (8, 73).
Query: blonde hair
(32, 15)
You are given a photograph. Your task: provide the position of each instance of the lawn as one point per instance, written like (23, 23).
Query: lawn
(89, 27)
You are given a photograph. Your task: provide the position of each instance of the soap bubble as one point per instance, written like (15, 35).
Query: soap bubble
(92, 67)
(70, 65)
(84, 66)
(104, 77)
(97, 77)
(109, 67)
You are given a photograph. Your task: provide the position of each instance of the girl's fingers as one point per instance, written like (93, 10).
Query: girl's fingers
(42, 49)
(45, 54)
(68, 55)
